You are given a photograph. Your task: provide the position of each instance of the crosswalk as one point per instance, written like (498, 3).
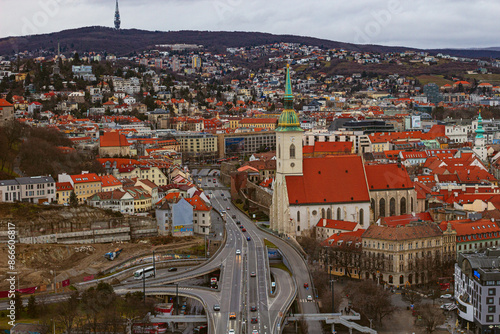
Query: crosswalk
(304, 300)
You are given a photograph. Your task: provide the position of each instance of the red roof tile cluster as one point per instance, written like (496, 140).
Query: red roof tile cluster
(336, 179)
(482, 229)
(402, 220)
(84, 178)
(109, 181)
(345, 240)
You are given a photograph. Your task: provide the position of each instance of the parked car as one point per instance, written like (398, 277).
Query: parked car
(446, 296)
(172, 269)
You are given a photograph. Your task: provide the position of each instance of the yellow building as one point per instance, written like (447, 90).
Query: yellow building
(63, 192)
(142, 200)
(84, 185)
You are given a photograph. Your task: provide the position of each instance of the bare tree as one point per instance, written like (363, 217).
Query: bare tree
(370, 299)
(411, 297)
(431, 317)
(67, 311)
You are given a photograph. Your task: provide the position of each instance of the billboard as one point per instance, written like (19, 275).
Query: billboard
(415, 122)
(234, 145)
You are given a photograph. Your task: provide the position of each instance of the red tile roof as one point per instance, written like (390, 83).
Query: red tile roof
(339, 179)
(387, 176)
(113, 139)
(345, 238)
(403, 232)
(402, 220)
(478, 227)
(5, 103)
(110, 181)
(83, 178)
(198, 204)
(63, 186)
(337, 224)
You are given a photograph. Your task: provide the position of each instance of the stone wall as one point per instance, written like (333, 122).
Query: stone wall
(78, 225)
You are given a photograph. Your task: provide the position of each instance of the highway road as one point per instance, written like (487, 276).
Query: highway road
(239, 290)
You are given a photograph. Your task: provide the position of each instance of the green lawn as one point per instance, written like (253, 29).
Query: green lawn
(269, 244)
(281, 266)
(490, 78)
(437, 79)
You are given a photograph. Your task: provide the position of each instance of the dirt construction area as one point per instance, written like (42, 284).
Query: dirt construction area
(36, 263)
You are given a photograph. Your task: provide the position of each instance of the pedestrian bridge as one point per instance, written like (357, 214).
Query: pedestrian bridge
(335, 318)
(180, 318)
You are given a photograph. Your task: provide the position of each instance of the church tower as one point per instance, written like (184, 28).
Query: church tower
(288, 161)
(117, 17)
(479, 144)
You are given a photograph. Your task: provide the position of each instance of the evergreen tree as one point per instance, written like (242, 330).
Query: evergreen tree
(19, 304)
(73, 200)
(31, 309)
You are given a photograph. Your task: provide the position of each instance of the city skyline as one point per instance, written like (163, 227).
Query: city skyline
(427, 24)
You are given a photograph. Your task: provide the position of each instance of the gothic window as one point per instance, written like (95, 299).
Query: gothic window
(292, 151)
(392, 207)
(323, 213)
(361, 216)
(339, 214)
(298, 216)
(411, 204)
(402, 210)
(381, 207)
(279, 151)
(329, 213)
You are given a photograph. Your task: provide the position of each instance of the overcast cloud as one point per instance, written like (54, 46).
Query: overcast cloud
(417, 23)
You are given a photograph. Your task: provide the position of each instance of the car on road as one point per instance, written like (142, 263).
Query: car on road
(248, 239)
(241, 226)
(255, 331)
(238, 252)
(234, 216)
(252, 274)
(449, 307)
(232, 316)
(243, 230)
(231, 331)
(309, 298)
(446, 296)
(225, 198)
(222, 194)
(306, 285)
(254, 320)
(172, 269)
(238, 222)
(228, 208)
(253, 308)
(223, 211)
(216, 307)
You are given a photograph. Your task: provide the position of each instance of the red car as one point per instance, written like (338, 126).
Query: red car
(243, 230)
(306, 285)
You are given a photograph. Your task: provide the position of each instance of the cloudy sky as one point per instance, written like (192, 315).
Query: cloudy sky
(417, 23)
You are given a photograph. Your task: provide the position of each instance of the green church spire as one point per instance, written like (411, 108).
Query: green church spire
(479, 130)
(288, 120)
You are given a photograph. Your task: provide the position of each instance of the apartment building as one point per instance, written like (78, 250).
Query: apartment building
(477, 290)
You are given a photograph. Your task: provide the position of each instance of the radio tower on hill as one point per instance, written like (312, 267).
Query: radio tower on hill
(117, 17)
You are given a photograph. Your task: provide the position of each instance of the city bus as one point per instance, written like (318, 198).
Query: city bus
(149, 328)
(445, 283)
(147, 272)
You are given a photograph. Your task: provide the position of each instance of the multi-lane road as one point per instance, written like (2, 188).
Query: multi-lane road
(243, 285)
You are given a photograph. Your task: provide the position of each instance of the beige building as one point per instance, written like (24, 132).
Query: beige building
(63, 192)
(113, 144)
(153, 174)
(406, 255)
(195, 145)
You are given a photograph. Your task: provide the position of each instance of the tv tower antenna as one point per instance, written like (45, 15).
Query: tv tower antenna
(117, 17)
